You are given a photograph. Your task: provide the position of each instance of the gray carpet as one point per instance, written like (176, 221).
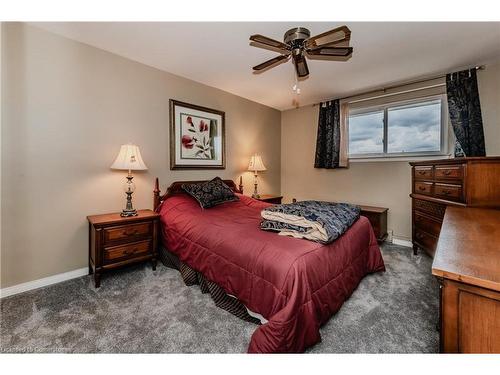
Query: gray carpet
(137, 310)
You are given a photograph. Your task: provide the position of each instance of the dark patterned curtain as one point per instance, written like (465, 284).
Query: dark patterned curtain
(465, 113)
(328, 143)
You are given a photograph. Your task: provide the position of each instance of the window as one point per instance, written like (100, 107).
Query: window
(409, 128)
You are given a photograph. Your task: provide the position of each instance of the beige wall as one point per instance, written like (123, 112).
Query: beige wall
(489, 93)
(67, 107)
(384, 183)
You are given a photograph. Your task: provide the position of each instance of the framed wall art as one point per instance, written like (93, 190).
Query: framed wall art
(197, 137)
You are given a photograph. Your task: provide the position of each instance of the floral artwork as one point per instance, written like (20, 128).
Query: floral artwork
(196, 137)
(196, 141)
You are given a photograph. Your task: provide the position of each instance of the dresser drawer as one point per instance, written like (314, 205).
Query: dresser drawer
(426, 240)
(435, 210)
(423, 172)
(427, 223)
(132, 250)
(449, 172)
(423, 188)
(128, 232)
(448, 191)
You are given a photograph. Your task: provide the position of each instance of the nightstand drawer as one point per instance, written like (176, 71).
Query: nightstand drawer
(128, 232)
(132, 250)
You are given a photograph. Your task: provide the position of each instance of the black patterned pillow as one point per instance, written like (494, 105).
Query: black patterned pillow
(210, 193)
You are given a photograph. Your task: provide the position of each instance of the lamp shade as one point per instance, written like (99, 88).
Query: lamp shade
(129, 158)
(256, 164)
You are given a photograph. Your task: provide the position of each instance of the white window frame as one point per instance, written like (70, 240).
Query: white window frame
(403, 156)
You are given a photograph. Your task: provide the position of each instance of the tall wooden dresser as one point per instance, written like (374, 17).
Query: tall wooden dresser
(436, 184)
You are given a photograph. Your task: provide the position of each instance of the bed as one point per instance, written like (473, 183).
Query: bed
(294, 284)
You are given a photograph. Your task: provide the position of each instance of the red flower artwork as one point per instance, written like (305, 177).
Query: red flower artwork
(200, 139)
(187, 142)
(203, 126)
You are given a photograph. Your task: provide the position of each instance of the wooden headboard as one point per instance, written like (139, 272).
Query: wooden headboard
(176, 188)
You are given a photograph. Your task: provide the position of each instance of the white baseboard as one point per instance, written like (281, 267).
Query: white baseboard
(402, 242)
(35, 284)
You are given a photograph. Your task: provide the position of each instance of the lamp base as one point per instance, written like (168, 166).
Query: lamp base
(129, 210)
(255, 194)
(128, 213)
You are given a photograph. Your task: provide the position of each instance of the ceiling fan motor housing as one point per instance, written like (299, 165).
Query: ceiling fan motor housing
(296, 36)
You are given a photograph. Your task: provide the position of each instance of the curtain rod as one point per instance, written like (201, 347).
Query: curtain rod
(480, 67)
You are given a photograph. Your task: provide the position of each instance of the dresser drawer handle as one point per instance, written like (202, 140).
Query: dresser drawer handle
(446, 192)
(422, 172)
(422, 188)
(130, 232)
(130, 251)
(419, 235)
(446, 172)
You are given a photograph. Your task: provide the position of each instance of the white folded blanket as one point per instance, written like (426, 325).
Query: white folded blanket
(296, 226)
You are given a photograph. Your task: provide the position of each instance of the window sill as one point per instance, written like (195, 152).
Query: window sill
(398, 158)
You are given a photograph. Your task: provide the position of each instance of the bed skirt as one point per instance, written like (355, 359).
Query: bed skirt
(219, 296)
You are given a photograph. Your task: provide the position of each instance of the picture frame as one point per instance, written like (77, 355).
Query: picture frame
(197, 137)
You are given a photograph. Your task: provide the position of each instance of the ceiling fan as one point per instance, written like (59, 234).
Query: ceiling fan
(298, 43)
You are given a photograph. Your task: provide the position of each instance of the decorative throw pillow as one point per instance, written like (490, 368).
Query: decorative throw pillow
(210, 193)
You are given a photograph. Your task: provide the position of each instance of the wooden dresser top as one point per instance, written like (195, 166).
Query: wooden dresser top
(485, 159)
(468, 249)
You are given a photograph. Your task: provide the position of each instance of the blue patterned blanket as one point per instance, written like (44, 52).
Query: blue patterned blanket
(318, 221)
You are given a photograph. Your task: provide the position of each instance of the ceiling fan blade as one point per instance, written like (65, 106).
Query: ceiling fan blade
(273, 61)
(257, 38)
(337, 35)
(301, 66)
(337, 43)
(331, 51)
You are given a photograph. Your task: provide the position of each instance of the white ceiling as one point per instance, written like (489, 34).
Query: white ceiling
(218, 54)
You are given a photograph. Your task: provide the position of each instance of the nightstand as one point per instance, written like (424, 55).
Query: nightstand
(116, 241)
(274, 199)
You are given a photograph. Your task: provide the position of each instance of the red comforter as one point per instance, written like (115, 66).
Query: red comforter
(295, 284)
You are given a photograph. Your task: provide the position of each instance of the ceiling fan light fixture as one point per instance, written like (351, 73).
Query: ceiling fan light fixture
(300, 66)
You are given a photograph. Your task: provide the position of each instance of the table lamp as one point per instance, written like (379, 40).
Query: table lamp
(256, 165)
(129, 158)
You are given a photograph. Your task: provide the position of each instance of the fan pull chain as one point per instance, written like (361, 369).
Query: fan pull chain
(296, 87)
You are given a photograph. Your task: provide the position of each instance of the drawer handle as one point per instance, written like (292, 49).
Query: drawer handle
(418, 235)
(422, 188)
(446, 192)
(446, 172)
(422, 172)
(130, 232)
(130, 251)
